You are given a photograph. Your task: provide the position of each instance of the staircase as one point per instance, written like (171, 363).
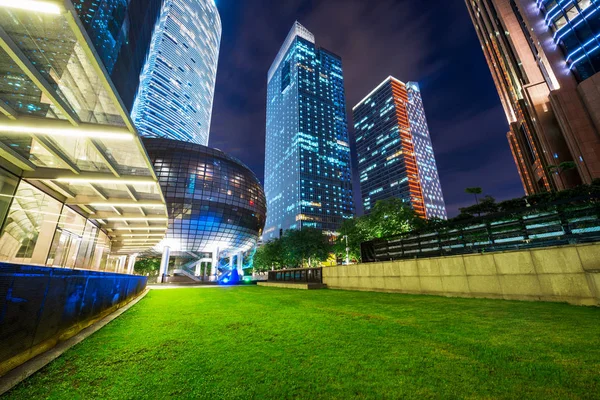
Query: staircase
(187, 272)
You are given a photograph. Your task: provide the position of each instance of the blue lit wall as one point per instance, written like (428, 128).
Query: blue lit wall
(575, 25)
(395, 154)
(177, 85)
(307, 163)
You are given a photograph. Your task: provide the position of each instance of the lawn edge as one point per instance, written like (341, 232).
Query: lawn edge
(25, 370)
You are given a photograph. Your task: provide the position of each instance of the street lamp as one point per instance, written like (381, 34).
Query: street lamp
(347, 251)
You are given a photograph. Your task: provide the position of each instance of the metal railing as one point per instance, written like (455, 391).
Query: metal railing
(535, 228)
(301, 275)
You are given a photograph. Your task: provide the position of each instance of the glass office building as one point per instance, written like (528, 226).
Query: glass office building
(395, 154)
(121, 31)
(77, 189)
(544, 57)
(175, 96)
(307, 162)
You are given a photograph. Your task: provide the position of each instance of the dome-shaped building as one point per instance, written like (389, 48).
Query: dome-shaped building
(215, 203)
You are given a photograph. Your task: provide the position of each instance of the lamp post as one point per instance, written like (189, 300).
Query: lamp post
(347, 251)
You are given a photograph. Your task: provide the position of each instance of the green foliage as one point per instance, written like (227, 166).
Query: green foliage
(392, 217)
(305, 248)
(147, 266)
(269, 256)
(388, 218)
(329, 344)
(487, 205)
(357, 231)
(474, 190)
(562, 167)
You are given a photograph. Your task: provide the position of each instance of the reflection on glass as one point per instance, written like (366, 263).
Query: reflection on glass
(29, 227)
(8, 185)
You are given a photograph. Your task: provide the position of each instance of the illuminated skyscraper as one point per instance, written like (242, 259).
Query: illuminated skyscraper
(307, 162)
(121, 32)
(544, 56)
(394, 149)
(175, 97)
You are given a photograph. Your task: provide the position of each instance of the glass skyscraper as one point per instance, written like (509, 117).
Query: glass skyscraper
(121, 31)
(394, 148)
(177, 85)
(307, 164)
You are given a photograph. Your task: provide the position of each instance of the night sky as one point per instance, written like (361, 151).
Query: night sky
(432, 42)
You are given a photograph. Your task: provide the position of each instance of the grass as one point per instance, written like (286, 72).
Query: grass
(252, 342)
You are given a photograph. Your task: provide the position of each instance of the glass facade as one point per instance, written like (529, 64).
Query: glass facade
(216, 204)
(395, 154)
(121, 31)
(74, 176)
(307, 164)
(575, 26)
(177, 85)
(40, 230)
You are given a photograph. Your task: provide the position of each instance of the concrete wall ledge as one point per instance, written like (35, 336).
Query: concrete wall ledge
(568, 274)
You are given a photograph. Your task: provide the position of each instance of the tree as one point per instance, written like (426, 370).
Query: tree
(561, 168)
(269, 256)
(487, 205)
(147, 266)
(357, 232)
(305, 247)
(392, 217)
(474, 191)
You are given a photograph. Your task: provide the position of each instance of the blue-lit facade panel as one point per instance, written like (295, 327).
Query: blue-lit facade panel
(177, 85)
(575, 25)
(307, 165)
(395, 153)
(106, 23)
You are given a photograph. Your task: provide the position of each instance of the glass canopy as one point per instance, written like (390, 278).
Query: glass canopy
(64, 129)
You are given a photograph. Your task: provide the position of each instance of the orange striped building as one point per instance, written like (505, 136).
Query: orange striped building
(395, 154)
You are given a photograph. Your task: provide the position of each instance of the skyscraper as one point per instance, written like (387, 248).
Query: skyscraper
(307, 163)
(175, 97)
(121, 32)
(395, 154)
(545, 57)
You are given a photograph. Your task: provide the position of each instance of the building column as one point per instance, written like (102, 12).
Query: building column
(121, 264)
(240, 265)
(131, 264)
(198, 268)
(213, 268)
(164, 265)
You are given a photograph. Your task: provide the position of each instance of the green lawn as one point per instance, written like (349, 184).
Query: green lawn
(252, 342)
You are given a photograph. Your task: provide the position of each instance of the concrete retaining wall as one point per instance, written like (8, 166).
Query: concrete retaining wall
(40, 306)
(563, 274)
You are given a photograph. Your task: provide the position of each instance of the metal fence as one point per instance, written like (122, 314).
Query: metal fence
(301, 275)
(535, 228)
(37, 303)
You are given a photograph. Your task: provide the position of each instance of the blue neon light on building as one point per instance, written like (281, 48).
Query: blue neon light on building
(307, 164)
(177, 86)
(575, 25)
